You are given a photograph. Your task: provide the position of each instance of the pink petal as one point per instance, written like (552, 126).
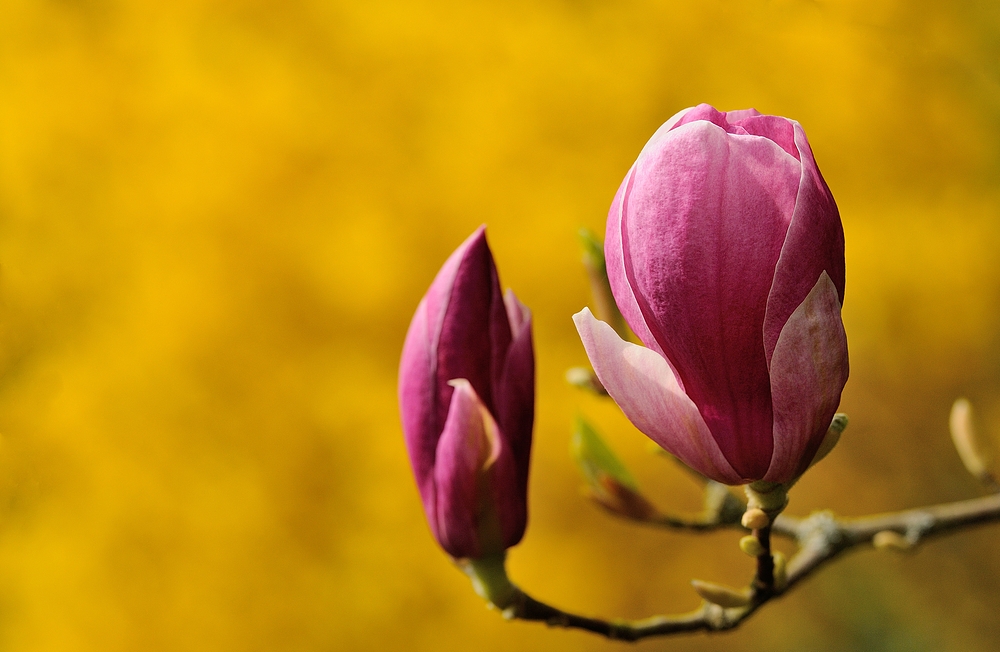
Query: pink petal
(735, 117)
(474, 331)
(518, 314)
(417, 395)
(645, 388)
(515, 410)
(814, 243)
(703, 220)
(615, 263)
(808, 371)
(469, 444)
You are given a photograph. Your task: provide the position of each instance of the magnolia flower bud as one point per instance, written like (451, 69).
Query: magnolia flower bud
(466, 397)
(725, 254)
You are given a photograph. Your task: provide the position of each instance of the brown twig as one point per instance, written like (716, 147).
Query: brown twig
(821, 538)
(723, 512)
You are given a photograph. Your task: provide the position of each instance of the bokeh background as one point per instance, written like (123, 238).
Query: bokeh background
(216, 219)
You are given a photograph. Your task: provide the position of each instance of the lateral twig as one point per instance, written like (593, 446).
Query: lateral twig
(821, 537)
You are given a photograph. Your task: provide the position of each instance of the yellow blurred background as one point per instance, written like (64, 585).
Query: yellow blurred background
(216, 219)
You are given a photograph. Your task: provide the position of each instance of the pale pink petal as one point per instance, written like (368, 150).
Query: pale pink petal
(469, 444)
(813, 244)
(808, 371)
(518, 314)
(735, 117)
(645, 388)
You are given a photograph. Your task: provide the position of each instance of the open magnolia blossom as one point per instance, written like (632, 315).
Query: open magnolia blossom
(725, 254)
(467, 400)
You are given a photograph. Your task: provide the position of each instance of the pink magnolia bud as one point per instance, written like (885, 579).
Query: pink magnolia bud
(725, 254)
(467, 401)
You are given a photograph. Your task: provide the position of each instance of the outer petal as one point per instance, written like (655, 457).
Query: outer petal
(417, 396)
(515, 400)
(814, 243)
(613, 256)
(474, 331)
(702, 224)
(808, 371)
(617, 276)
(646, 390)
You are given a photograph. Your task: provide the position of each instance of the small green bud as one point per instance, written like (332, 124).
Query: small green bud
(721, 595)
(889, 540)
(755, 519)
(605, 307)
(594, 456)
(975, 456)
(751, 546)
(609, 482)
(780, 571)
(832, 437)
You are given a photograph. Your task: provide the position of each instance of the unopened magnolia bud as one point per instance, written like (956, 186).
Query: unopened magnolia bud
(468, 427)
(755, 519)
(721, 595)
(889, 540)
(970, 447)
(751, 546)
(780, 571)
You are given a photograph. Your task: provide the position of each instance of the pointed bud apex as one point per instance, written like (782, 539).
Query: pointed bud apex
(889, 540)
(605, 307)
(721, 595)
(974, 454)
(755, 519)
(780, 571)
(750, 545)
(585, 378)
(837, 427)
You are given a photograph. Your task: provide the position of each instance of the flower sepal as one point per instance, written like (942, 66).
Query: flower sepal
(490, 581)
